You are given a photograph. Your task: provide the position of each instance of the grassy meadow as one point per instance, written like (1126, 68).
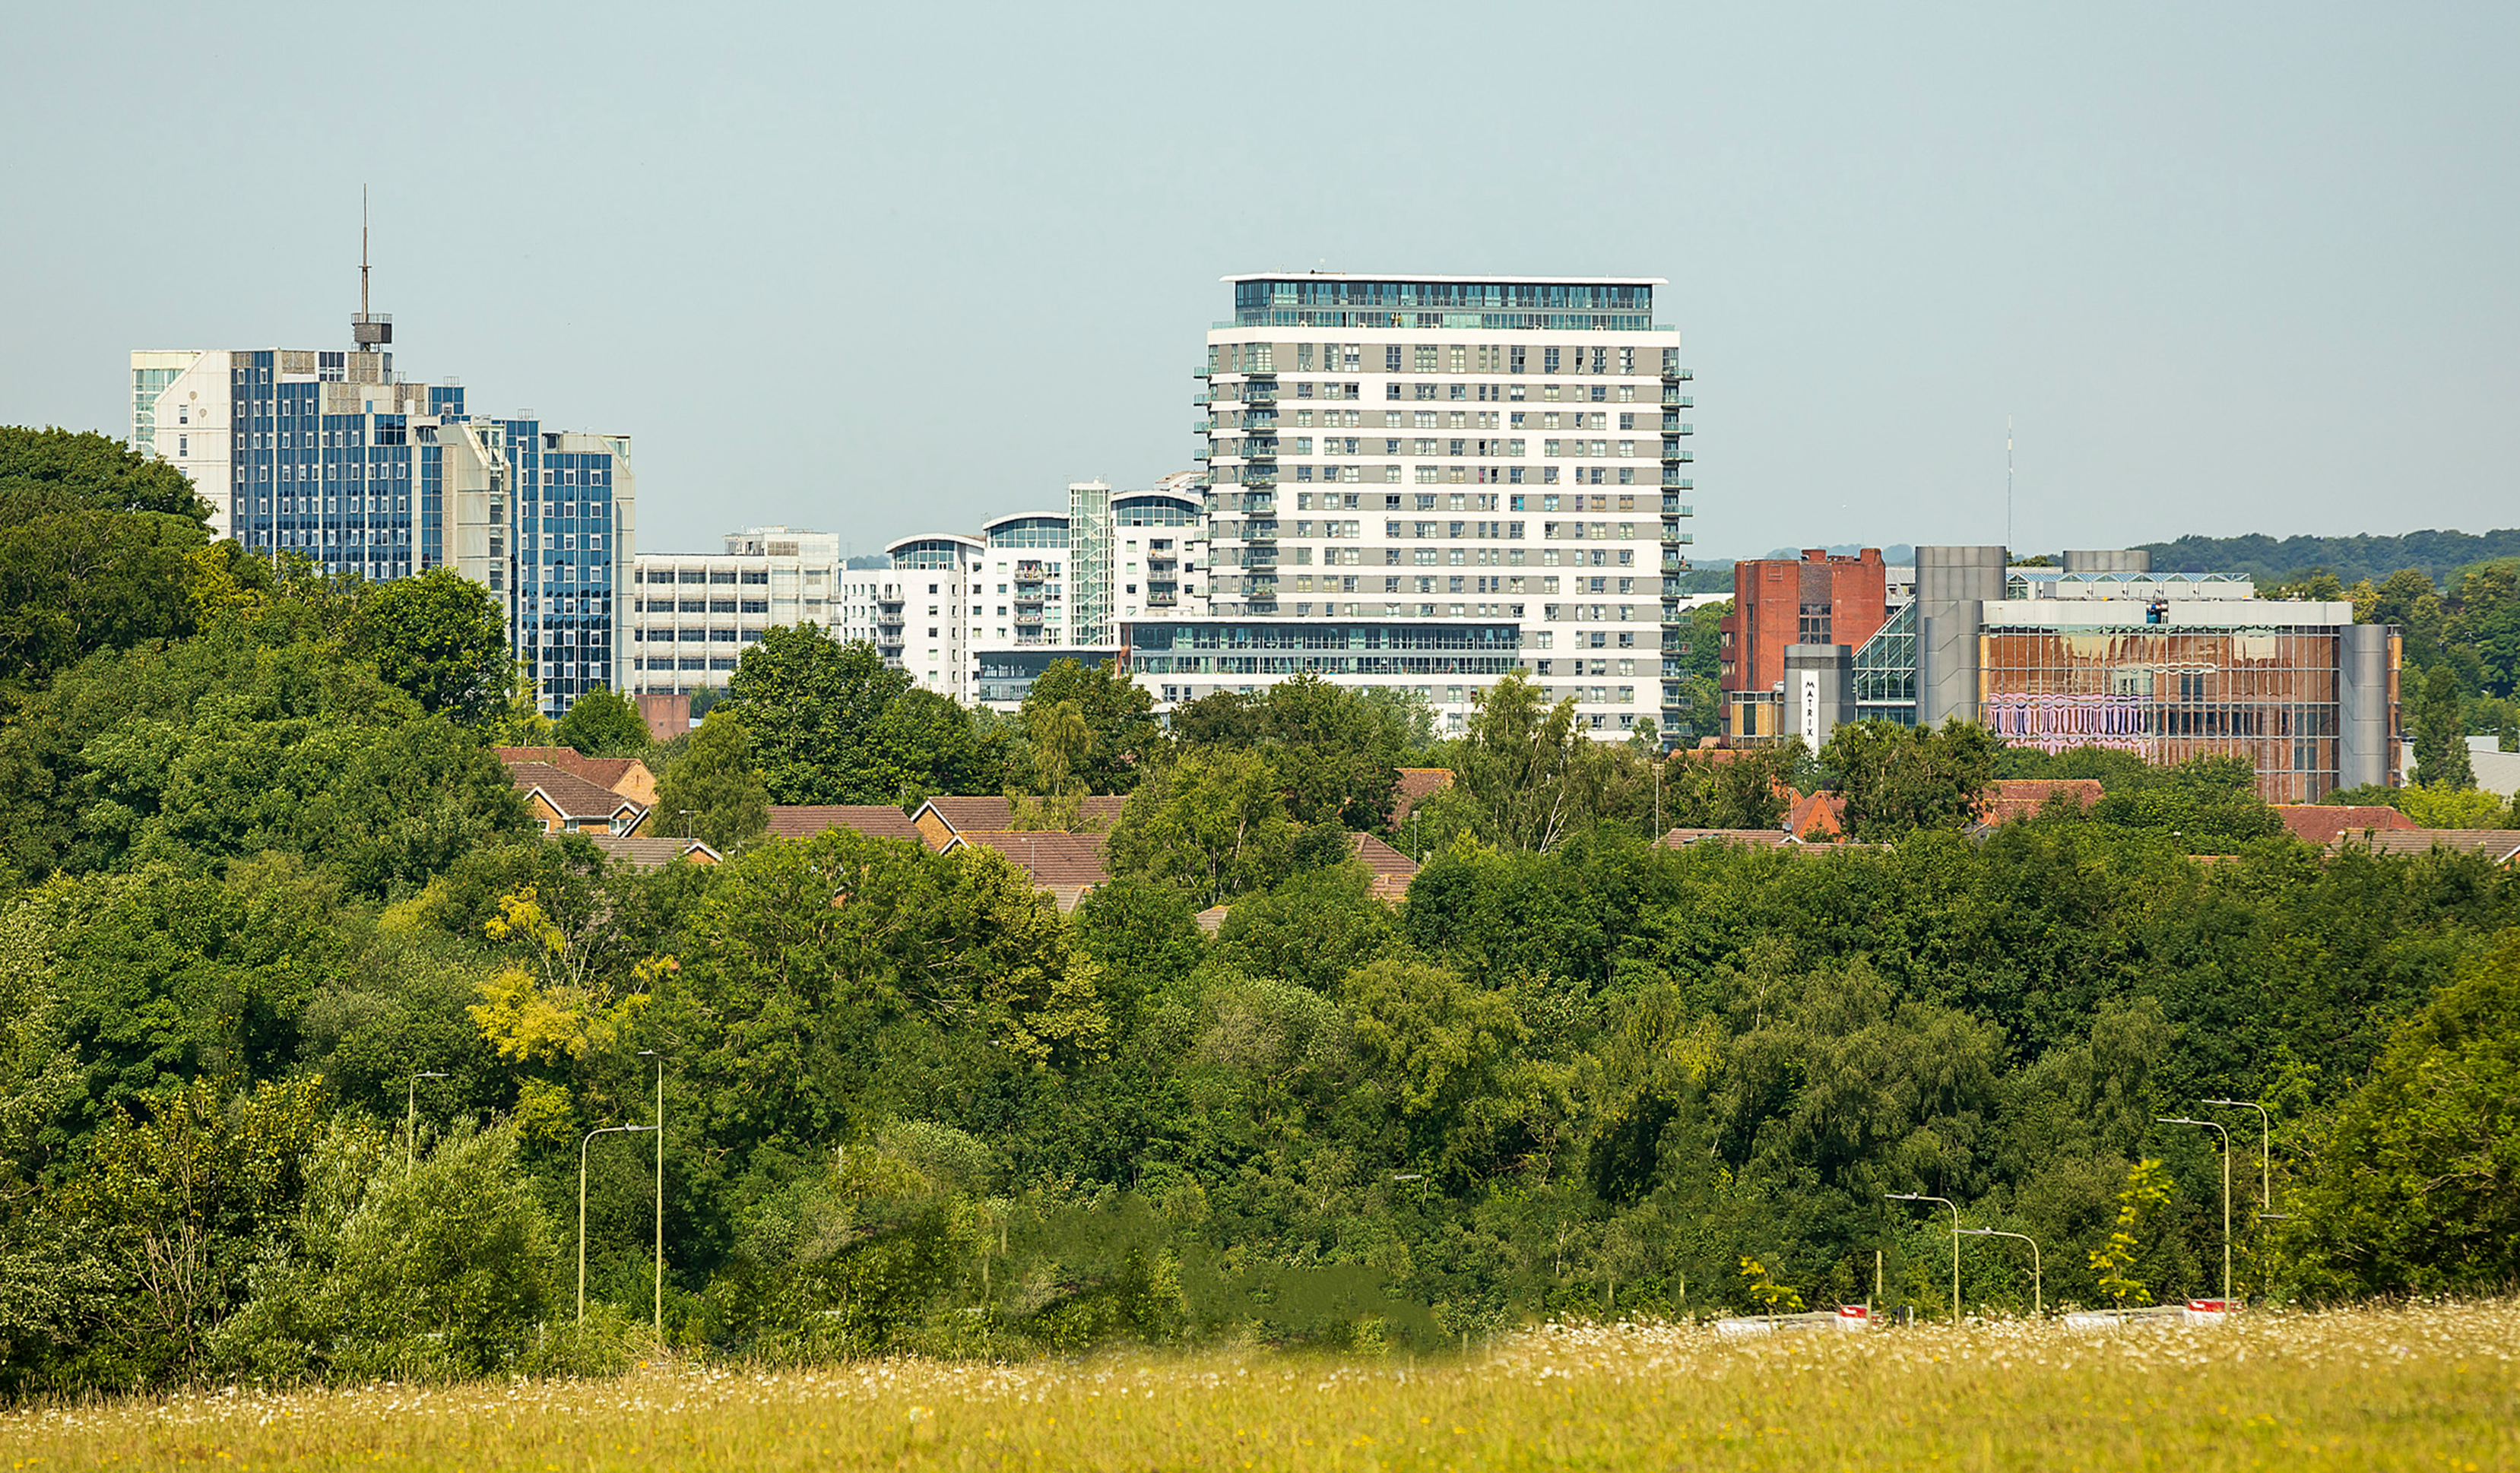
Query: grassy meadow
(2431, 1386)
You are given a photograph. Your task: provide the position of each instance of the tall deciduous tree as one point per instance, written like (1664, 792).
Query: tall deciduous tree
(2441, 733)
(830, 723)
(603, 723)
(1210, 823)
(2416, 1181)
(712, 792)
(441, 637)
(1116, 712)
(1898, 779)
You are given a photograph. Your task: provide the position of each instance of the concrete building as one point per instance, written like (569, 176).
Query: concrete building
(1455, 452)
(693, 613)
(1778, 605)
(334, 457)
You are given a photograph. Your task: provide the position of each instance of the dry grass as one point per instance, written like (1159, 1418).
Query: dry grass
(2429, 1387)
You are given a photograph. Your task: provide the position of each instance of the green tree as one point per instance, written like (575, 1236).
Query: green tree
(2485, 619)
(93, 471)
(2441, 733)
(2414, 1180)
(1521, 772)
(1117, 714)
(830, 723)
(99, 549)
(603, 723)
(1898, 779)
(440, 637)
(1208, 822)
(712, 792)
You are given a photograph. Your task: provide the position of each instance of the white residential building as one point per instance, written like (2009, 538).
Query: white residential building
(1409, 456)
(924, 615)
(693, 613)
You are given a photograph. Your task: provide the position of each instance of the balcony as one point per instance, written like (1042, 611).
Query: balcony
(1672, 424)
(1673, 455)
(1676, 376)
(1673, 398)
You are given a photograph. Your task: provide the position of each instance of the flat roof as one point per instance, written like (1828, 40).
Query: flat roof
(1406, 276)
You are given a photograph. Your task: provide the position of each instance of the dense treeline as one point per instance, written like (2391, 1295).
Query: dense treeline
(2437, 555)
(302, 1030)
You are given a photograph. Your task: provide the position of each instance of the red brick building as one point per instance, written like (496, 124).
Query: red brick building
(1817, 599)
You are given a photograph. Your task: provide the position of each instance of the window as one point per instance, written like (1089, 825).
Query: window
(1391, 365)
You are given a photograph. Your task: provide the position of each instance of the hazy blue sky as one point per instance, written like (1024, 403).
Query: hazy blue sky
(895, 269)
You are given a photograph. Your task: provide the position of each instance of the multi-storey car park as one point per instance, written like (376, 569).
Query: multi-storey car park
(1423, 463)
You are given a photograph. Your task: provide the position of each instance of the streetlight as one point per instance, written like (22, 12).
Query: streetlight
(610, 1130)
(411, 1120)
(2265, 1176)
(660, 1187)
(2037, 1279)
(1915, 1197)
(2215, 1125)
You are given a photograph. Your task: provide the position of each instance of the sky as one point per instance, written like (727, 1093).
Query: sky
(887, 270)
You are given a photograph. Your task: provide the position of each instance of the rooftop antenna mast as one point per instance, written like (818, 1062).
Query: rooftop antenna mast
(2007, 485)
(368, 330)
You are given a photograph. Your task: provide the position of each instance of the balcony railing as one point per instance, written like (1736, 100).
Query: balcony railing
(1672, 424)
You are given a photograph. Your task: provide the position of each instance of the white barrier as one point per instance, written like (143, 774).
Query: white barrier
(2191, 1311)
(1853, 1316)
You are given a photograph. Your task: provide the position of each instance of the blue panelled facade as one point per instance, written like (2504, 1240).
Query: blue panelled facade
(337, 461)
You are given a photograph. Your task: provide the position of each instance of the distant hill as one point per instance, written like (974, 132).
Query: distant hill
(2267, 559)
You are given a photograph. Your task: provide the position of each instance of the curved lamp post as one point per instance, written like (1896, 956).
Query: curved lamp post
(2037, 1277)
(610, 1130)
(660, 1188)
(1915, 1197)
(2217, 1127)
(2265, 1171)
(411, 1120)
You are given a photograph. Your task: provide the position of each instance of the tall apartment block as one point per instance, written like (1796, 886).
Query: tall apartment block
(694, 613)
(924, 620)
(334, 456)
(1458, 473)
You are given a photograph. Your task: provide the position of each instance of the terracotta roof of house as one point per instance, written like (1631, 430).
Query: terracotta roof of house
(573, 796)
(1392, 870)
(1681, 838)
(803, 821)
(1415, 785)
(2324, 824)
(992, 814)
(2010, 798)
(2500, 845)
(1824, 811)
(651, 854)
(604, 772)
(1053, 860)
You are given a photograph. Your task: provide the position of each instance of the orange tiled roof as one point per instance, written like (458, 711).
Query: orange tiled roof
(1825, 812)
(2501, 845)
(1392, 870)
(1681, 838)
(569, 796)
(1053, 860)
(802, 820)
(1415, 785)
(651, 854)
(991, 813)
(2324, 824)
(2012, 798)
